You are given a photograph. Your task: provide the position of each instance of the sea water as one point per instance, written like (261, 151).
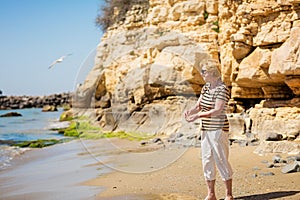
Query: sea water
(32, 125)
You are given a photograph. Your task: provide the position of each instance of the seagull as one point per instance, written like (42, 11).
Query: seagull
(59, 60)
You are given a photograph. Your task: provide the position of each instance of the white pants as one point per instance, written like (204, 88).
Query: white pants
(215, 152)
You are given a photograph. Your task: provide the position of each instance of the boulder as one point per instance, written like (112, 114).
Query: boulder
(292, 167)
(49, 108)
(11, 114)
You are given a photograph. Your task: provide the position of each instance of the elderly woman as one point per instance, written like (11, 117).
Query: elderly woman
(210, 108)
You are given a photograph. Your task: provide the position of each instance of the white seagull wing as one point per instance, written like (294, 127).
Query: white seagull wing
(52, 64)
(58, 60)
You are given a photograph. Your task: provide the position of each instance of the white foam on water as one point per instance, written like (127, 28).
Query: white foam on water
(8, 153)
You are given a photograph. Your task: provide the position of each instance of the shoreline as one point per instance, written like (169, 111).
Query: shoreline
(55, 172)
(116, 169)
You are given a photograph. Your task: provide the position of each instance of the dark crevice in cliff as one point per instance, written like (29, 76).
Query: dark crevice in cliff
(247, 103)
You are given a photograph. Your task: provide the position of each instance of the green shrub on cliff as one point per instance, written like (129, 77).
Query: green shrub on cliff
(114, 11)
(216, 28)
(205, 15)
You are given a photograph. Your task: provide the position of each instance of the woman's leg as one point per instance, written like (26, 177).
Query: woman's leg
(228, 185)
(221, 154)
(208, 164)
(211, 195)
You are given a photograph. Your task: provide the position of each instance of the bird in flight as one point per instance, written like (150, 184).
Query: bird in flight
(59, 60)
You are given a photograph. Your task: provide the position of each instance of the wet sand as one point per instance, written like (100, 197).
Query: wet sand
(50, 173)
(120, 169)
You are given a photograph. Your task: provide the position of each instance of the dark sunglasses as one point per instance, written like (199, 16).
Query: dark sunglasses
(203, 71)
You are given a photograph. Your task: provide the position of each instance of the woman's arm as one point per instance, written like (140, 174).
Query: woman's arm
(195, 109)
(217, 110)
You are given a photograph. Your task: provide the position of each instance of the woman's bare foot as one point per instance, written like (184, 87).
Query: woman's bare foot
(211, 197)
(229, 198)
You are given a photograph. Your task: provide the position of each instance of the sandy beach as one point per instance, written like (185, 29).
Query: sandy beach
(121, 169)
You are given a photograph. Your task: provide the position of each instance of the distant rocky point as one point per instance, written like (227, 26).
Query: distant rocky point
(20, 102)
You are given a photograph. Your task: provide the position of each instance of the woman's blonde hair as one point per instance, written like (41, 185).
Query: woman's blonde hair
(212, 66)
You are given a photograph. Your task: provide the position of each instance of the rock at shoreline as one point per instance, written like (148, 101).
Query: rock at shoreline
(11, 114)
(55, 126)
(66, 116)
(49, 108)
(40, 143)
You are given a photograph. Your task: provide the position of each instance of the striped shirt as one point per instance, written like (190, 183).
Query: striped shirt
(208, 102)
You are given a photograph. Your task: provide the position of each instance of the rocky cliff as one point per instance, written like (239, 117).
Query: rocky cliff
(146, 70)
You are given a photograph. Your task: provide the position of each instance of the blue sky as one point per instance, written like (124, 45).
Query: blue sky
(34, 33)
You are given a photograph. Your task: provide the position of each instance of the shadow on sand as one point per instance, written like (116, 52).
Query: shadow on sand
(267, 196)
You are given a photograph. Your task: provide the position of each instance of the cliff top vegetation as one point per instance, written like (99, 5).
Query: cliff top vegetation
(114, 12)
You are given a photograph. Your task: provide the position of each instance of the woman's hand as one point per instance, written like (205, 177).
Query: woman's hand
(191, 118)
(187, 113)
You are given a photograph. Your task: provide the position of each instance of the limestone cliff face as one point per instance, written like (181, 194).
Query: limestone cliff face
(146, 69)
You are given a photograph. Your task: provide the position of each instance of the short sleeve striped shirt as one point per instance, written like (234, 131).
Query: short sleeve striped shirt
(208, 102)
